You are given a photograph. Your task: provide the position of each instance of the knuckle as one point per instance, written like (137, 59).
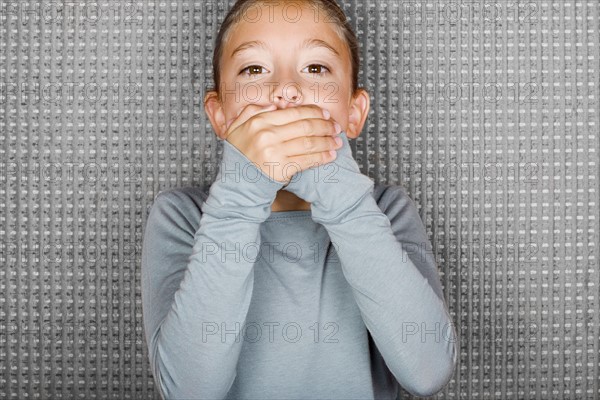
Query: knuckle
(297, 114)
(266, 133)
(322, 159)
(320, 112)
(317, 109)
(332, 144)
(255, 122)
(307, 142)
(313, 160)
(332, 126)
(268, 152)
(263, 138)
(306, 126)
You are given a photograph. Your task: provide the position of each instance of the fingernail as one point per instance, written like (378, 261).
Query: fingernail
(338, 128)
(326, 114)
(338, 141)
(333, 153)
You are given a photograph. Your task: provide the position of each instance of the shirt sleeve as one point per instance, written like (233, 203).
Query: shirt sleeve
(197, 285)
(395, 283)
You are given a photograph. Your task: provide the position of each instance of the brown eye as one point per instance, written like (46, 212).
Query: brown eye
(252, 69)
(316, 69)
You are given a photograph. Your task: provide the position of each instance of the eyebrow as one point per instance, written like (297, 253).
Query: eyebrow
(307, 44)
(248, 45)
(314, 43)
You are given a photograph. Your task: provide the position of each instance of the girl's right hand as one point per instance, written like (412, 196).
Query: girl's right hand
(284, 142)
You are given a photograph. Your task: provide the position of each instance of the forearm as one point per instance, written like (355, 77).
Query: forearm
(195, 347)
(407, 320)
(406, 317)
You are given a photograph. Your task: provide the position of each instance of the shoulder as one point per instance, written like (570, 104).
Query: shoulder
(392, 197)
(188, 196)
(178, 206)
(401, 210)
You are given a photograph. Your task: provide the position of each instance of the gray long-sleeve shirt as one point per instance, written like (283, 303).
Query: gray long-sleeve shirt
(242, 302)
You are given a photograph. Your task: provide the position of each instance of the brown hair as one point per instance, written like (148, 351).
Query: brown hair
(333, 12)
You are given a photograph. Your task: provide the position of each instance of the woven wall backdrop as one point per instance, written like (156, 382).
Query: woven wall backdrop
(486, 112)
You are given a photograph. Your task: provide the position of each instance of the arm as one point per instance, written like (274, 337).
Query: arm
(401, 304)
(197, 286)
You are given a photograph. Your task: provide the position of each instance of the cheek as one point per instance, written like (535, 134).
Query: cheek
(233, 115)
(340, 114)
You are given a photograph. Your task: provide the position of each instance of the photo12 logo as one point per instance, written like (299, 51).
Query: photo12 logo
(82, 12)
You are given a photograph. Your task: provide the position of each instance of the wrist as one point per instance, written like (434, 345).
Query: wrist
(241, 188)
(334, 187)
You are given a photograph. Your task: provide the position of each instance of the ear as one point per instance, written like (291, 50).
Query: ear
(215, 113)
(359, 110)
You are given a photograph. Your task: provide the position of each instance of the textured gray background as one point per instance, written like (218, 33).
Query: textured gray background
(486, 112)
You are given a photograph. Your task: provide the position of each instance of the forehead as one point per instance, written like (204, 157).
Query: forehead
(286, 22)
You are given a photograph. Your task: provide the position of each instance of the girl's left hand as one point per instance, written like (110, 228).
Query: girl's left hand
(309, 183)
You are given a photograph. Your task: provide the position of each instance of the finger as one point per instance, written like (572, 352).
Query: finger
(312, 127)
(310, 144)
(248, 112)
(287, 115)
(306, 161)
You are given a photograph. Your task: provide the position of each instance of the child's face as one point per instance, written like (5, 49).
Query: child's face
(284, 72)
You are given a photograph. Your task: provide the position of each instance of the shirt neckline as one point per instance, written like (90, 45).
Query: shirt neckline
(290, 213)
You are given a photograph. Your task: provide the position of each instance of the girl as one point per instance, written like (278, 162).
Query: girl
(293, 276)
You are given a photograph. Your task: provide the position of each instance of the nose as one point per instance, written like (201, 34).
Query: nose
(287, 92)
